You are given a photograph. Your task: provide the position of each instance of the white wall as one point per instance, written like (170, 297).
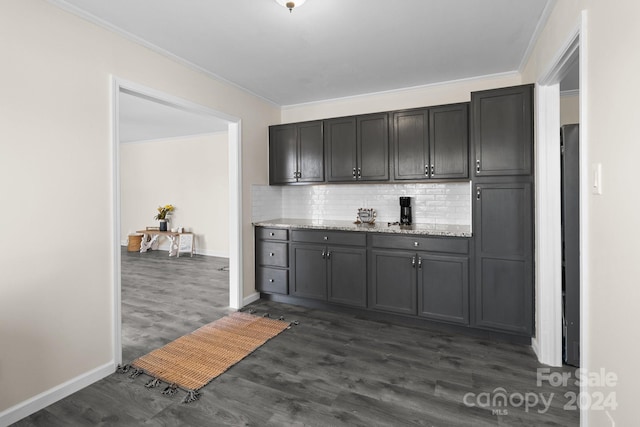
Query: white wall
(612, 268)
(190, 173)
(56, 174)
(448, 93)
(569, 109)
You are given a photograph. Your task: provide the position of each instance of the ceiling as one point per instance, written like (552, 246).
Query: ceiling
(144, 119)
(329, 49)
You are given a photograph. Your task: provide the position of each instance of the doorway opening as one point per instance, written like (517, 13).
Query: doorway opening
(548, 343)
(122, 91)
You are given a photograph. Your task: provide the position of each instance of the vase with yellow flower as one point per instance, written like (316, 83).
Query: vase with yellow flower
(163, 215)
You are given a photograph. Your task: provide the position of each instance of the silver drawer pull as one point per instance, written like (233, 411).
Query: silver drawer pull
(271, 280)
(416, 244)
(271, 254)
(326, 238)
(272, 234)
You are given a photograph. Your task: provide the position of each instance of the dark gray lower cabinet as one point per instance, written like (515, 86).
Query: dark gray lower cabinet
(272, 260)
(347, 275)
(443, 287)
(503, 223)
(308, 271)
(392, 281)
(334, 273)
(430, 285)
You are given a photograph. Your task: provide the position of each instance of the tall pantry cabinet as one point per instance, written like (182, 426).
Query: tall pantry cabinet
(502, 136)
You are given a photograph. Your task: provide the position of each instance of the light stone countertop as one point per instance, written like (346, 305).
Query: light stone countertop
(449, 230)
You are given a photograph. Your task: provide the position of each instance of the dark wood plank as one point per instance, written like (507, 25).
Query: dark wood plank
(333, 369)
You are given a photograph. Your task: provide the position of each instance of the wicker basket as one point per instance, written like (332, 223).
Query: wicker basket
(135, 240)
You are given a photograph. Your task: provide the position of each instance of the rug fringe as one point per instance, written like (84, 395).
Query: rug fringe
(192, 396)
(153, 383)
(170, 390)
(136, 373)
(122, 369)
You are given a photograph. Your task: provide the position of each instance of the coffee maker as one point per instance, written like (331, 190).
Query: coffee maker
(405, 210)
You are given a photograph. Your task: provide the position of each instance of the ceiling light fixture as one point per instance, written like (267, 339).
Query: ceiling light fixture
(290, 4)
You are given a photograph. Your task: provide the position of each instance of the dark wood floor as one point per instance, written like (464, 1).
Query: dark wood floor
(333, 369)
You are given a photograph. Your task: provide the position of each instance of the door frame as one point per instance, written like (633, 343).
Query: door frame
(548, 270)
(235, 194)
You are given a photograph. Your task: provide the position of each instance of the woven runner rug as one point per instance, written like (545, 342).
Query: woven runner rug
(193, 360)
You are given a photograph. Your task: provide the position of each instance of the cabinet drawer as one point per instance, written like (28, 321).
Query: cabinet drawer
(329, 237)
(272, 280)
(272, 233)
(456, 245)
(272, 254)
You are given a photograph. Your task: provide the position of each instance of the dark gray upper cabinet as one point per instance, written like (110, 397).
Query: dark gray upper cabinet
(449, 141)
(341, 147)
(296, 153)
(503, 228)
(431, 143)
(411, 144)
(503, 131)
(372, 133)
(357, 148)
(283, 154)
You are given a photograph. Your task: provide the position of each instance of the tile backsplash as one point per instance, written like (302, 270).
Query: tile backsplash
(441, 203)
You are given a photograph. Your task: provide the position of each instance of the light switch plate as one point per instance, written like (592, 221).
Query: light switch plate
(596, 178)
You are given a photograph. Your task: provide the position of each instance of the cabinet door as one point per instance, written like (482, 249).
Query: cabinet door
(443, 287)
(308, 272)
(392, 281)
(310, 152)
(373, 147)
(503, 131)
(283, 154)
(449, 141)
(340, 146)
(347, 274)
(410, 144)
(503, 224)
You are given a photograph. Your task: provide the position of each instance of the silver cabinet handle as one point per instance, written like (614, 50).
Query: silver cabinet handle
(328, 254)
(413, 262)
(295, 174)
(432, 170)
(359, 173)
(354, 173)
(477, 165)
(419, 262)
(477, 193)
(426, 170)
(324, 254)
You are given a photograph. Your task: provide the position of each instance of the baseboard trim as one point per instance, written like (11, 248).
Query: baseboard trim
(46, 398)
(251, 298)
(218, 254)
(535, 346)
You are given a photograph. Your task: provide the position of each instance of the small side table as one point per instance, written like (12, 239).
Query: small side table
(150, 240)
